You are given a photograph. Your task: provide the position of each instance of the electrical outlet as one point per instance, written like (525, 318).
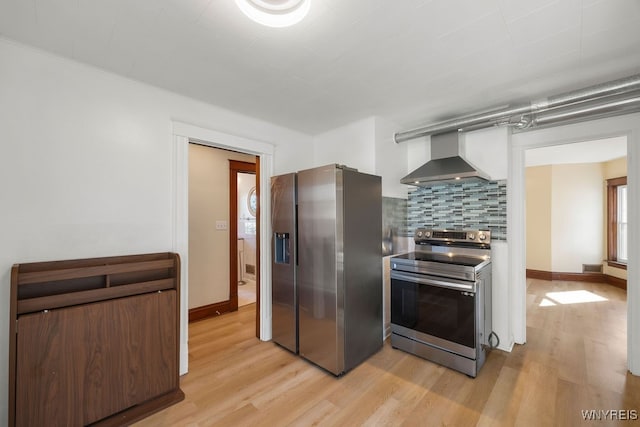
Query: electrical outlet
(221, 225)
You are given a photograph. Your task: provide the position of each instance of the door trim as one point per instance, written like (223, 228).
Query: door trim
(516, 236)
(236, 167)
(179, 216)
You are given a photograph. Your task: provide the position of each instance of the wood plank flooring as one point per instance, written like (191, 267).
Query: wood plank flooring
(574, 360)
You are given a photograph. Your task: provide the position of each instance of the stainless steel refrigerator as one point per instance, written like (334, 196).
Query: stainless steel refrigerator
(327, 265)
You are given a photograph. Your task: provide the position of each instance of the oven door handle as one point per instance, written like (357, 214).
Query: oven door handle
(439, 283)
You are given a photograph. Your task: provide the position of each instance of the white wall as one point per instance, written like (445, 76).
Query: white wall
(294, 155)
(566, 216)
(368, 146)
(487, 150)
(538, 217)
(351, 145)
(389, 157)
(576, 216)
(615, 168)
(418, 152)
(85, 164)
(208, 203)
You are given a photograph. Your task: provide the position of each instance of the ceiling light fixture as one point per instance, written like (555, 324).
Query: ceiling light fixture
(275, 13)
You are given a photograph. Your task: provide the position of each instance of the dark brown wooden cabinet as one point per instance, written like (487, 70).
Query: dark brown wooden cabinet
(96, 341)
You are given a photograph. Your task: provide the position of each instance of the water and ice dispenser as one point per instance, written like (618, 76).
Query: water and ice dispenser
(281, 250)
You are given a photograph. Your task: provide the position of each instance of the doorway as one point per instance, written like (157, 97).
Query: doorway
(247, 205)
(183, 134)
(244, 236)
(574, 298)
(596, 129)
(567, 209)
(213, 228)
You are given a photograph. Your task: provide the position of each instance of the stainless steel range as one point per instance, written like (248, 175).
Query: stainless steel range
(441, 298)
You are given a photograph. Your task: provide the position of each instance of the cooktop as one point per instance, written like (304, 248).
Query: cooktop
(445, 258)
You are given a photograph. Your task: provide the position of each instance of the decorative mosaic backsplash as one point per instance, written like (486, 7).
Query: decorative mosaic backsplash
(394, 225)
(470, 205)
(394, 215)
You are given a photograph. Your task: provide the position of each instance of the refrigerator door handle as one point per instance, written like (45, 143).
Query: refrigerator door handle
(296, 240)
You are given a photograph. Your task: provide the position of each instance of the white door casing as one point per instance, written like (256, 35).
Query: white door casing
(182, 134)
(628, 125)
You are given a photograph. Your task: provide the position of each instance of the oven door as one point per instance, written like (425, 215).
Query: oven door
(434, 310)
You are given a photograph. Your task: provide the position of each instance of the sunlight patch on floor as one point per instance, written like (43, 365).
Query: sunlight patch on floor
(546, 303)
(570, 297)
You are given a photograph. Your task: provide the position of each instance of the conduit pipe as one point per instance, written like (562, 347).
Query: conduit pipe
(589, 110)
(615, 97)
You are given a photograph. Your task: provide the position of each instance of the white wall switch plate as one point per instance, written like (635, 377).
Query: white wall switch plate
(221, 225)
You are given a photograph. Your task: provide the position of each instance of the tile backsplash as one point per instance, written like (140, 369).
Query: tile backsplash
(394, 215)
(472, 205)
(394, 225)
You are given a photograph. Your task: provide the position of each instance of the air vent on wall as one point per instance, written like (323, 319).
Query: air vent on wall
(592, 268)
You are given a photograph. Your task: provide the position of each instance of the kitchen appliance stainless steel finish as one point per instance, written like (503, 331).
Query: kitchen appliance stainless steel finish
(284, 306)
(446, 164)
(338, 274)
(441, 298)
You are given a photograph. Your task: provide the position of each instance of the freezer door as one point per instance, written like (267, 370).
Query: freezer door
(283, 264)
(319, 271)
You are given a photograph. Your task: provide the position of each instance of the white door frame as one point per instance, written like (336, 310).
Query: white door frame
(182, 134)
(628, 125)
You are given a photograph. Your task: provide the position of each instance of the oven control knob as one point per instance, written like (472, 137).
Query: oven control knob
(471, 236)
(482, 236)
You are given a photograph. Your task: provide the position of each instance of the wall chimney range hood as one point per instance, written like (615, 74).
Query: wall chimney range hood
(446, 164)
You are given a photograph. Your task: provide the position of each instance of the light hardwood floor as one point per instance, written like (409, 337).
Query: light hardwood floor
(247, 292)
(574, 360)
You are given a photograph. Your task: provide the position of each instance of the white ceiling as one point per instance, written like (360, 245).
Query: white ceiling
(596, 151)
(410, 61)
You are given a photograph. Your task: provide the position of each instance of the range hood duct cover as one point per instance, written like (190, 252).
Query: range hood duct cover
(446, 164)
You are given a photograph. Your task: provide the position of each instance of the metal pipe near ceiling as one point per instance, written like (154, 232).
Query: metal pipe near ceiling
(589, 112)
(527, 115)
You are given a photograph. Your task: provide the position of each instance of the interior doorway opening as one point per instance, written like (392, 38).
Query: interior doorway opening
(214, 252)
(559, 137)
(244, 211)
(568, 212)
(247, 205)
(183, 134)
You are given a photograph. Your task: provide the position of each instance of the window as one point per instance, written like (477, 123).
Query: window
(617, 222)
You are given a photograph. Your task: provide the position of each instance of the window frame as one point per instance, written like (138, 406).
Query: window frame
(612, 222)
